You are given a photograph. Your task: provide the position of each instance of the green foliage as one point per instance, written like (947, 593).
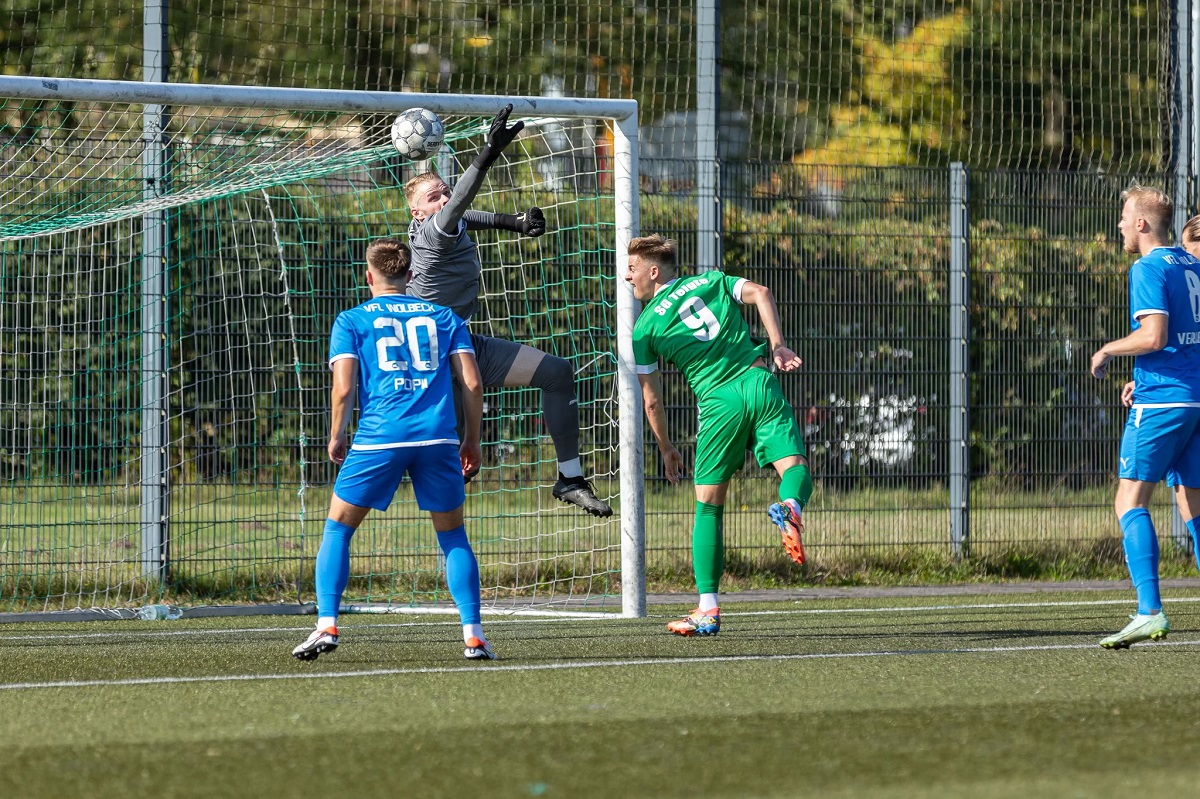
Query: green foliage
(253, 292)
(903, 99)
(994, 83)
(1086, 86)
(867, 299)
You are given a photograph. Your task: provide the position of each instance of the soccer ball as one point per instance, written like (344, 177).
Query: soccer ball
(417, 133)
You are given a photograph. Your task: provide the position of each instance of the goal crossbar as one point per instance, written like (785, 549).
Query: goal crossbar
(213, 95)
(157, 98)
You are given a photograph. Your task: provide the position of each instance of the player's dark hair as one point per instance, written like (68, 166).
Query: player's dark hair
(660, 249)
(389, 257)
(414, 183)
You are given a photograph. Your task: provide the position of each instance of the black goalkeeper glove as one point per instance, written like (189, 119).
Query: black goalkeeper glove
(500, 135)
(532, 222)
(528, 223)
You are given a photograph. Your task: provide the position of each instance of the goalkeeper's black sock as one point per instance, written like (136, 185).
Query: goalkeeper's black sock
(555, 377)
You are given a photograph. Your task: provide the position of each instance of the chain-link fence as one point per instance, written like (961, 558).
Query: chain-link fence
(1057, 84)
(861, 271)
(837, 127)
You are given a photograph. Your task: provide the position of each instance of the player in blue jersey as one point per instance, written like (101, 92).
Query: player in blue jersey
(445, 270)
(400, 355)
(1162, 434)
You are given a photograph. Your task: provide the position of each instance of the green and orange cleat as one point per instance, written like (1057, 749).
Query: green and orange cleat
(786, 515)
(698, 622)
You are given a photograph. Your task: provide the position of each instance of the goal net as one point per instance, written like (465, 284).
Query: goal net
(171, 261)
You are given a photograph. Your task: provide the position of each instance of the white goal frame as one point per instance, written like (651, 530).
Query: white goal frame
(157, 97)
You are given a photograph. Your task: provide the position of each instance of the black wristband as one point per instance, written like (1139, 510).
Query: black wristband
(485, 159)
(508, 222)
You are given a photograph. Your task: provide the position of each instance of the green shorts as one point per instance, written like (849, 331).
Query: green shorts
(751, 408)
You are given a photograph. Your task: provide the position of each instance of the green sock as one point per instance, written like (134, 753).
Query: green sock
(708, 547)
(796, 484)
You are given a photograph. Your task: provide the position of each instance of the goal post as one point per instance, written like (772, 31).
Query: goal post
(166, 302)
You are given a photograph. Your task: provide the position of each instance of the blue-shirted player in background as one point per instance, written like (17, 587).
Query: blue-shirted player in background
(399, 355)
(1162, 435)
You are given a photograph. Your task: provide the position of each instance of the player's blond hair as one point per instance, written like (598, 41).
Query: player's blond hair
(390, 257)
(416, 182)
(656, 248)
(1153, 204)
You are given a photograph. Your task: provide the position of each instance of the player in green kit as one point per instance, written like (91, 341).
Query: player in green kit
(696, 324)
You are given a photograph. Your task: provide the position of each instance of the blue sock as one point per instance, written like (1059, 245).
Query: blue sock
(462, 573)
(333, 567)
(1141, 555)
(1193, 526)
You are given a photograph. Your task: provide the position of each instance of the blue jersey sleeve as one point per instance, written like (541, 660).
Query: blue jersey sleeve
(460, 336)
(343, 343)
(1147, 290)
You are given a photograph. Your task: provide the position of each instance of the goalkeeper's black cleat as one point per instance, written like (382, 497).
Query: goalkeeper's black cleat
(578, 491)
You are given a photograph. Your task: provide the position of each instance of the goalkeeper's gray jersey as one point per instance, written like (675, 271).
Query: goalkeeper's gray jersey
(445, 267)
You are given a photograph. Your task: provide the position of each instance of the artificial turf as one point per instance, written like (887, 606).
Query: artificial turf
(913, 697)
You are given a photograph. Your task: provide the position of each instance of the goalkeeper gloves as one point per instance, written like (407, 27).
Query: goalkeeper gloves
(529, 223)
(500, 135)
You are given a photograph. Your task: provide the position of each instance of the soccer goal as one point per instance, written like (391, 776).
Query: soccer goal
(171, 260)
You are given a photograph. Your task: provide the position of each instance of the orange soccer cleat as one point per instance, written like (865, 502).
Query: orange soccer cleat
(786, 514)
(698, 622)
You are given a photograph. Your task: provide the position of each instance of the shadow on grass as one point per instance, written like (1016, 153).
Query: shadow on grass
(583, 576)
(1102, 559)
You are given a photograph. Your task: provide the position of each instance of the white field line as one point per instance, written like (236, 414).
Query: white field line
(240, 630)
(596, 664)
(1132, 601)
(419, 611)
(602, 616)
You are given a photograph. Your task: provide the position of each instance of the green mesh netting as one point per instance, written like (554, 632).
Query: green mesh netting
(267, 217)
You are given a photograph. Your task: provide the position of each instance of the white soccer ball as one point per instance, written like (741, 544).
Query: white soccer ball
(417, 133)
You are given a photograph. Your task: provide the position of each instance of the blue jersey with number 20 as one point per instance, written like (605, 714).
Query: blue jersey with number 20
(405, 386)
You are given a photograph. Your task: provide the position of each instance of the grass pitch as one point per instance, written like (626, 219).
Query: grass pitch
(933, 697)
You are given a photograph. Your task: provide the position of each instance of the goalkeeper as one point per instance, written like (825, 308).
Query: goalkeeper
(695, 324)
(445, 270)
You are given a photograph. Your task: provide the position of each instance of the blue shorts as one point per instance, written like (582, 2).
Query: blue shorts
(1162, 442)
(369, 478)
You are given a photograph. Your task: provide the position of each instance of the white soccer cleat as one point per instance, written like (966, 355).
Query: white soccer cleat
(478, 650)
(1140, 628)
(317, 644)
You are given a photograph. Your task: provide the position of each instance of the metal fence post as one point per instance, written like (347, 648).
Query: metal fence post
(154, 295)
(960, 462)
(708, 110)
(1184, 145)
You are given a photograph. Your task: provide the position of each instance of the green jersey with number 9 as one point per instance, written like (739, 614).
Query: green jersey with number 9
(696, 324)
